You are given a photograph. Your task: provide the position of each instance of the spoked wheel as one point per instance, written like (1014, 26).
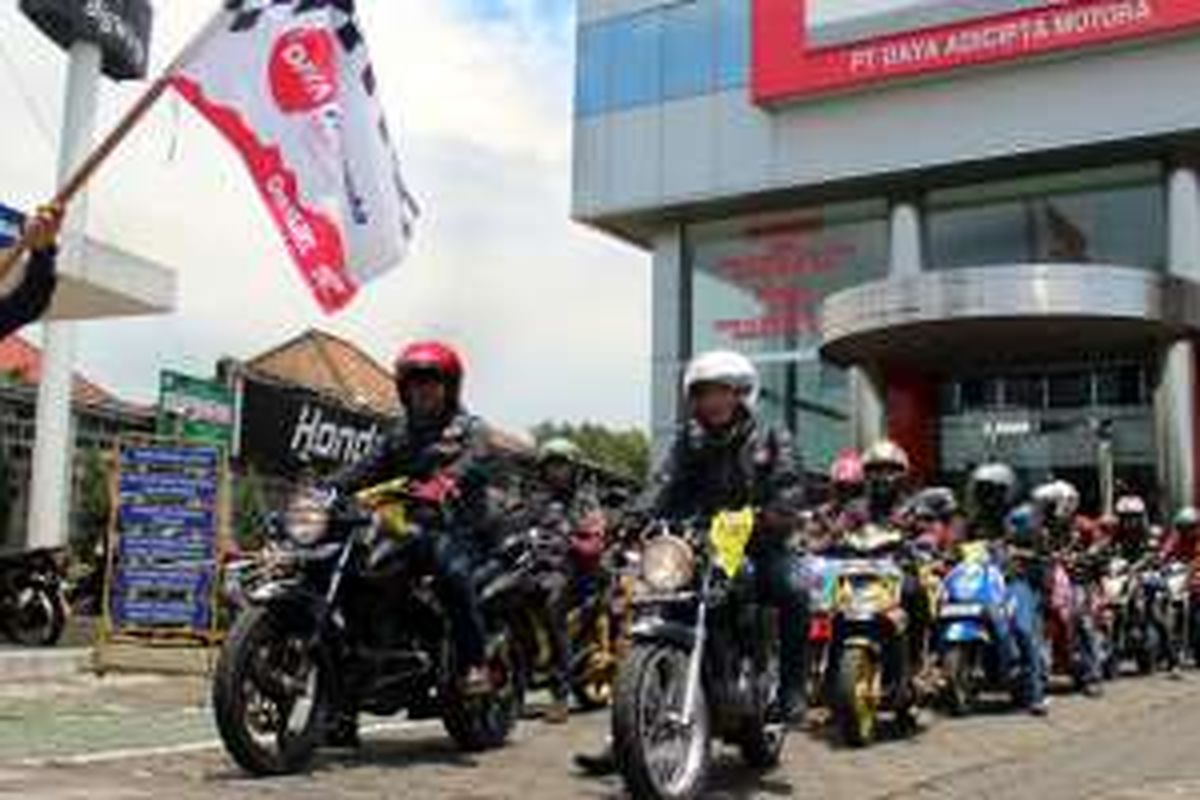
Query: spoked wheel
(661, 757)
(485, 721)
(269, 694)
(38, 618)
(857, 697)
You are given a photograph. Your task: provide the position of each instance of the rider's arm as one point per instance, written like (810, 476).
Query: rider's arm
(374, 468)
(30, 298)
(784, 496)
(665, 494)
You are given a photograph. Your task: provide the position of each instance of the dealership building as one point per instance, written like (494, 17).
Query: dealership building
(976, 231)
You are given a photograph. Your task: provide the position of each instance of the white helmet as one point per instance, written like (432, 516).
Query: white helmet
(1058, 499)
(726, 368)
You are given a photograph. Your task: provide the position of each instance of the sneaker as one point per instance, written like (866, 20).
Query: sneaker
(599, 764)
(1040, 708)
(1093, 690)
(557, 713)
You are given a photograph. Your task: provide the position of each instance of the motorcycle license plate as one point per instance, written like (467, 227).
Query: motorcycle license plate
(959, 610)
(730, 535)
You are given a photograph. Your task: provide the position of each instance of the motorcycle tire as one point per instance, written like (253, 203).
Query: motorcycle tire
(485, 722)
(960, 693)
(1150, 651)
(642, 674)
(857, 694)
(39, 618)
(255, 630)
(761, 743)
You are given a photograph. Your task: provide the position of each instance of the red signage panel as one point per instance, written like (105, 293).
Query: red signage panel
(804, 48)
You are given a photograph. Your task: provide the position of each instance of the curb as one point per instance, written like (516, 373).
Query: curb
(46, 665)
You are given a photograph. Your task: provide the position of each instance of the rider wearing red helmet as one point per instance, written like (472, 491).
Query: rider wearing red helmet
(446, 451)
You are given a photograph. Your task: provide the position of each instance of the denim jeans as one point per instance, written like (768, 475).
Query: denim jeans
(1027, 641)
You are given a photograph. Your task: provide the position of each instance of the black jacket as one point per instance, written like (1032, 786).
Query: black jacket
(459, 448)
(30, 299)
(703, 473)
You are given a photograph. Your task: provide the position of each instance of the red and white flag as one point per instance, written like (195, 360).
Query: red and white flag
(289, 83)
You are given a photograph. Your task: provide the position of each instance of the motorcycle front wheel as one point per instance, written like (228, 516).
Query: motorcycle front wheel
(960, 691)
(660, 757)
(857, 696)
(269, 693)
(38, 617)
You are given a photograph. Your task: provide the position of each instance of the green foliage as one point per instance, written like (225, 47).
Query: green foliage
(625, 452)
(93, 507)
(248, 509)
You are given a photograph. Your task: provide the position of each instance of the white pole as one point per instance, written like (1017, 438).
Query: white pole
(54, 446)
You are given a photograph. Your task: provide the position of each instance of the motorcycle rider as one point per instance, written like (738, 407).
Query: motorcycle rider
(726, 458)
(1058, 505)
(30, 297)
(570, 521)
(844, 508)
(992, 490)
(887, 472)
(1131, 535)
(448, 453)
(1183, 545)
(1026, 557)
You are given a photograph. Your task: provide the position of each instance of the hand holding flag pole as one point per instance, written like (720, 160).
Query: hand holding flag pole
(108, 145)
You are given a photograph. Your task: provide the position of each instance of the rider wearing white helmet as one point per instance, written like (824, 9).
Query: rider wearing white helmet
(726, 458)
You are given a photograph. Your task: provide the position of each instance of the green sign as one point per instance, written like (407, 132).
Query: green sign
(195, 409)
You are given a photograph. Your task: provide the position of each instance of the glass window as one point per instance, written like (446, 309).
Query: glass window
(1113, 216)
(1070, 390)
(689, 44)
(1024, 391)
(591, 70)
(978, 394)
(637, 60)
(1121, 386)
(758, 281)
(733, 43)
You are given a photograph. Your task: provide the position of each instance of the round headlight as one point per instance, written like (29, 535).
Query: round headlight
(307, 518)
(668, 564)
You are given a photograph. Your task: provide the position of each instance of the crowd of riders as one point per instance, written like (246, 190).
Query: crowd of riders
(725, 456)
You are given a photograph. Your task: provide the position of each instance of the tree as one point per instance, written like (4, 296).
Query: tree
(93, 506)
(623, 451)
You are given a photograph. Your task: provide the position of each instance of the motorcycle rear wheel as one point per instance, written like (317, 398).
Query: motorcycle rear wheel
(38, 618)
(485, 722)
(659, 759)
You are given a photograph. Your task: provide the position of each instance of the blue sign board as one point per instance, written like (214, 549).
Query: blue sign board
(167, 523)
(11, 223)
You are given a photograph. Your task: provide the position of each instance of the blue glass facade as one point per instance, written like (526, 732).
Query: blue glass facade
(684, 49)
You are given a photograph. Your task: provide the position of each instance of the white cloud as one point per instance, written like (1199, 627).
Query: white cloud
(554, 318)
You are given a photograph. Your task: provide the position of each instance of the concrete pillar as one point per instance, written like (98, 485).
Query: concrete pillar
(907, 257)
(1183, 216)
(54, 446)
(1175, 394)
(669, 335)
(1174, 401)
(868, 408)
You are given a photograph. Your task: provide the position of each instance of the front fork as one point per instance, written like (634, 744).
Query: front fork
(691, 697)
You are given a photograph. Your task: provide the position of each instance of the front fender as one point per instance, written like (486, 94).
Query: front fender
(661, 630)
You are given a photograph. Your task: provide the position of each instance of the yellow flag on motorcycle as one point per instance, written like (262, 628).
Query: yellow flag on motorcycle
(730, 535)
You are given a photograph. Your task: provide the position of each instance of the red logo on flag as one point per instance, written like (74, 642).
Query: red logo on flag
(304, 70)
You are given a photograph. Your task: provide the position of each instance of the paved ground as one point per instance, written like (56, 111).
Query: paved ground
(137, 737)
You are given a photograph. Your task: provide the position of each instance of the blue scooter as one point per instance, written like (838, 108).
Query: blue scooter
(972, 631)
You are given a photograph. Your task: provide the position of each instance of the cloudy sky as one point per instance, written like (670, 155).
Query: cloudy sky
(554, 318)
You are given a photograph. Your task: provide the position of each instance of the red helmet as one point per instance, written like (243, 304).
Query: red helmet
(847, 469)
(433, 358)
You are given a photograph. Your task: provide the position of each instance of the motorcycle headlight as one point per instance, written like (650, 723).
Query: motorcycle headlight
(307, 518)
(668, 564)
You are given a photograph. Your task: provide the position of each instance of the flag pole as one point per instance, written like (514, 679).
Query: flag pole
(108, 145)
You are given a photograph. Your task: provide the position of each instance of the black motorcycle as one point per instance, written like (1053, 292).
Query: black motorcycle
(704, 663)
(346, 623)
(33, 605)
